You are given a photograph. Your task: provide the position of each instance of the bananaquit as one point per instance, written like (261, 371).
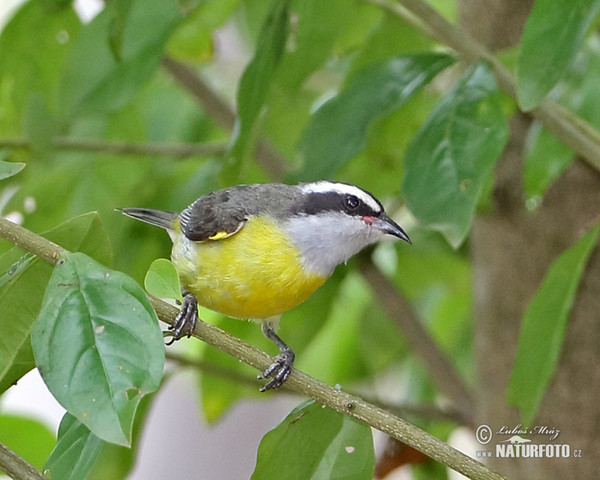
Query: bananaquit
(256, 251)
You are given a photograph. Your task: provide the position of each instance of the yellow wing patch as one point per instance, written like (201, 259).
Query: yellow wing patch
(221, 235)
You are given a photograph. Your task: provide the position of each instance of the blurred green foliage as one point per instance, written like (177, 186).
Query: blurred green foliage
(338, 89)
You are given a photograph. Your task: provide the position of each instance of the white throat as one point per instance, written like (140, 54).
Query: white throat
(328, 239)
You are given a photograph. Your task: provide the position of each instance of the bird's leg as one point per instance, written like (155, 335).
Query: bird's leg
(185, 322)
(280, 369)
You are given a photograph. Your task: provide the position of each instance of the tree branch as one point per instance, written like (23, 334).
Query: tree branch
(119, 148)
(572, 130)
(16, 467)
(298, 381)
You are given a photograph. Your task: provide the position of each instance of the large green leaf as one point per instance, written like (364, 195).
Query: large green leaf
(257, 78)
(552, 37)
(98, 345)
(115, 462)
(544, 326)
(452, 155)
(81, 455)
(338, 130)
(314, 36)
(115, 54)
(33, 48)
(75, 453)
(23, 279)
(317, 443)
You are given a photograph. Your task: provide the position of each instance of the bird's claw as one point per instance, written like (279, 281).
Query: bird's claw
(278, 371)
(185, 322)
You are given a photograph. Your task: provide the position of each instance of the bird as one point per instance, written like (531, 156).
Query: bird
(255, 251)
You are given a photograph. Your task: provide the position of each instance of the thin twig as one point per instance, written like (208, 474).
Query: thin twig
(428, 412)
(223, 114)
(572, 130)
(16, 467)
(298, 381)
(438, 365)
(209, 368)
(121, 148)
(211, 102)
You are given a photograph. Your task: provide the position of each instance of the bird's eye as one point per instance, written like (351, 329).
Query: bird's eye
(352, 202)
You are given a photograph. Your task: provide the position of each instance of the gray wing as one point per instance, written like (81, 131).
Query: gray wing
(213, 217)
(223, 213)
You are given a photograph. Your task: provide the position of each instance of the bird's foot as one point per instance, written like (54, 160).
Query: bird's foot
(278, 371)
(186, 320)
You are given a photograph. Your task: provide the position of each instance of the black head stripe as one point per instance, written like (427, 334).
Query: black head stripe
(320, 202)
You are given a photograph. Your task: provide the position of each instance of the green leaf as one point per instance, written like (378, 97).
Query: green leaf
(8, 169)
(193, 41)
(552, 37)
(22, 286)
(75, 453)
(79, 454)
(338, 130)
(546, 158)
(27, 437)
(98, 345)
(95, 79)
(544, 326)
(162, 280)
(42, 35)
(257, 78)
(451, 156)
(318, 443)
(115, 462)
(314, 37)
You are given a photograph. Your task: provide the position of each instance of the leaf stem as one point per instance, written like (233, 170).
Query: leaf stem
(17, 467)
(120, 148)
(298, 381)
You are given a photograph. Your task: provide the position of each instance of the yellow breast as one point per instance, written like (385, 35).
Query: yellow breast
(256, 273)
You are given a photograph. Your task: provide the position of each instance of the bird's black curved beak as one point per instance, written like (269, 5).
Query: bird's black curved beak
(387, 225)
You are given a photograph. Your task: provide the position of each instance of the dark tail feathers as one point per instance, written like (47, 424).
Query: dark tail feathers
(160, 218)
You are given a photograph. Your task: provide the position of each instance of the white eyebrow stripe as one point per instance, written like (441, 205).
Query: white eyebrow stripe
(324, 186)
